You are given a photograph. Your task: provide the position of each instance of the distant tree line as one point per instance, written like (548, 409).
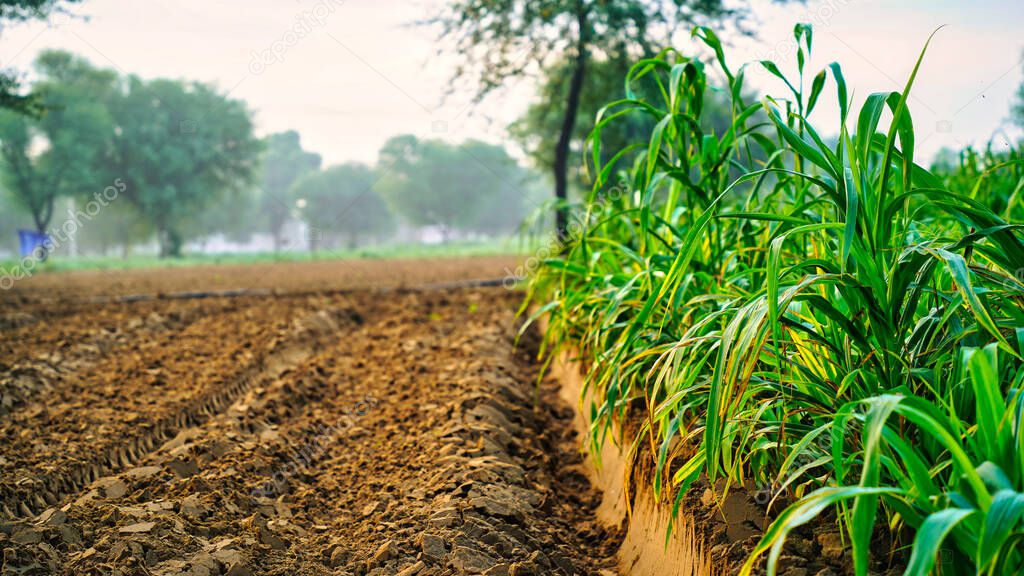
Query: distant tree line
(468, 188)
(189, 166)
(176, 146)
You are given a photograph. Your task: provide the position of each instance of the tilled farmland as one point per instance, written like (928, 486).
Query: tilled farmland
(343, 432)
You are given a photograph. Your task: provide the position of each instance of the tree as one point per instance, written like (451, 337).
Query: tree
(433, 183)
(22, 178)
(340, 202)
(20, 10)
(602, 84)
(503, 39)
(116, 227)
(236, 215)
(284, 162)
(174, 146)
(501, 183)
(178, 146)
(76, 121)
(11, 97)
(61, 151)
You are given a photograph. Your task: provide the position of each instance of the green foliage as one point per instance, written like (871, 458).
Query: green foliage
(21, 177)
(72, 129)
(114, 230)
(501, 247)
(11, 96)
(470, 186)
(76, 123)
(545, 115)
(603, 83)
(178, 146)
(236, 215)
(989, 176)
(12, 219)
(19, 10)
(340, 202)
(501, 39)
(829, 320)
(284, 162)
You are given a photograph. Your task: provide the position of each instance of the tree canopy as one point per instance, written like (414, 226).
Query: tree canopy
(178, 146)
(434, 183)
(341, 203)
(73, 130)
(498, 40)
(11, 96)
(546, 114)
(284, 162)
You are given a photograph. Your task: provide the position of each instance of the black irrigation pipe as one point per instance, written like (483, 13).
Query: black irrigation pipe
(190, 295)
(509, 281)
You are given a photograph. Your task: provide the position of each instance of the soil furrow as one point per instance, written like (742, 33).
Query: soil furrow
(36, 358)
(408, 444)
(81, 442)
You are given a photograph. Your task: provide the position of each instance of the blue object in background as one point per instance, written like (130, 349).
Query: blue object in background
(31, 241)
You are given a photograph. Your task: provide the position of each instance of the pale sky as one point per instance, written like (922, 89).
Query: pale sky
(348, 74)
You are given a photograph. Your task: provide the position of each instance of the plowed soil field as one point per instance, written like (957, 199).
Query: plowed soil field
(377, 423)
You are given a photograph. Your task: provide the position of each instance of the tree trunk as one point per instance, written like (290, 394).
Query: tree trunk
(170, 242)
(41, 218)
(42, 215)
(561, 166)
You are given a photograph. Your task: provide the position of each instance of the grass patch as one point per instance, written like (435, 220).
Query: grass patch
(449, 250)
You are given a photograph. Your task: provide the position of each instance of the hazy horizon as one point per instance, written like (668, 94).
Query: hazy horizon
(382, 76)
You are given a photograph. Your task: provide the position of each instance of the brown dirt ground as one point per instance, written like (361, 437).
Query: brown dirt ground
(288, 277)
(309, 434)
